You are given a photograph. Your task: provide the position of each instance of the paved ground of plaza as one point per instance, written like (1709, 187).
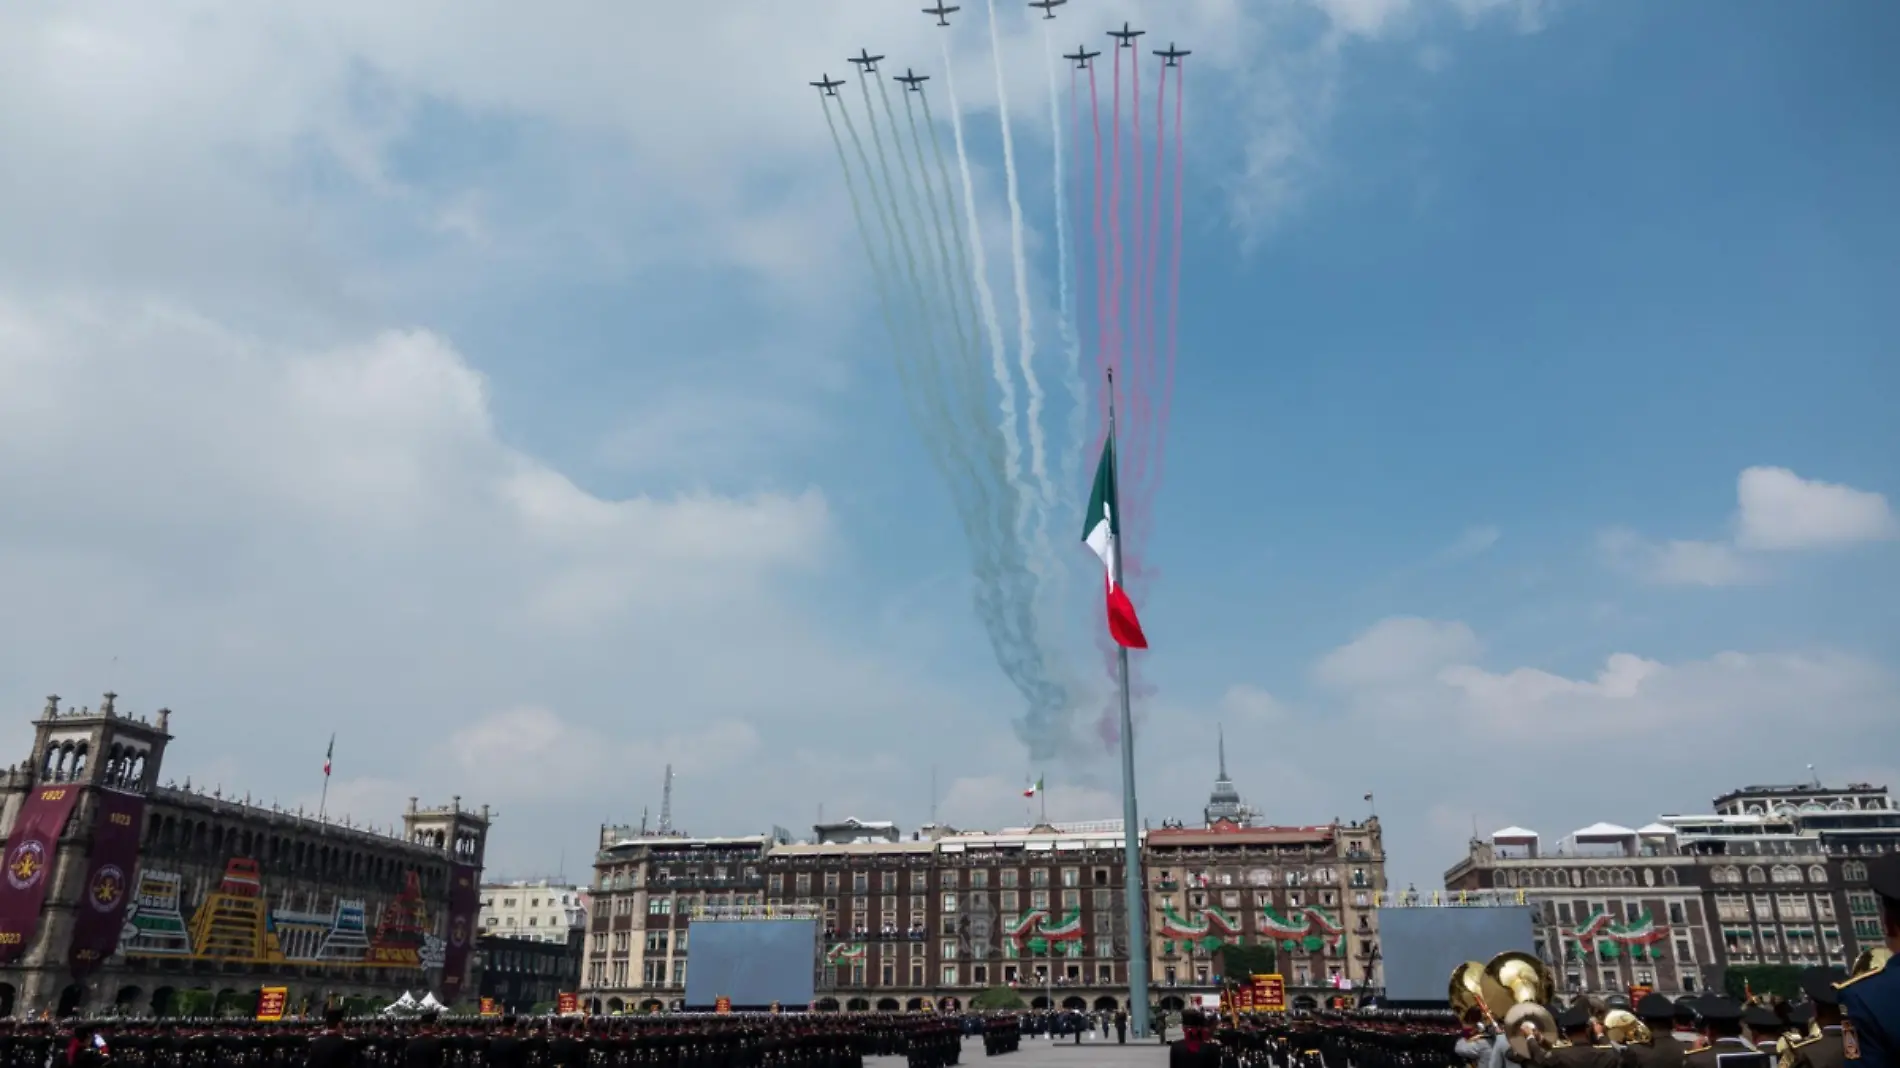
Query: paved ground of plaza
(1041, 1053)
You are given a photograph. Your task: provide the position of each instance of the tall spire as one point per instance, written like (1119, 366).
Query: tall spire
(1224, 802)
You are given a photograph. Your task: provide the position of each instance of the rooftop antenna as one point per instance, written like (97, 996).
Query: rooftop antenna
(666, 803)
(933, 794)
(1220, 735)
(643, 820)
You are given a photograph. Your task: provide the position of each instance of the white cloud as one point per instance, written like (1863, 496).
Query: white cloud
(1244, 703)
(1781, 510)
(281, 542)
(1396, 651)
(1678, 563)
(1475, 541)
(1534, 746)
(533, 753)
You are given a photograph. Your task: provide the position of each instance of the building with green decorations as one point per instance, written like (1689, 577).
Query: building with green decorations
(1770, 880)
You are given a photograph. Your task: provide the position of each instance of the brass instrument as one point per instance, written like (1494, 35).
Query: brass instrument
(1467, 991)
(1511, 988)
(1624, 1028)
(1870, 959)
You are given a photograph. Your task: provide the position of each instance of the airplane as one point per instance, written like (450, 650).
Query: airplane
(1080, 57)
(1048, 6)
(941, 12)
(1171, 57)
(827, 84)
(1125, 35)
(913, 82)
(867, 63)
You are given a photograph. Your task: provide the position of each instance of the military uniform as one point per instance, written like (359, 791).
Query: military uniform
(1870, 1002)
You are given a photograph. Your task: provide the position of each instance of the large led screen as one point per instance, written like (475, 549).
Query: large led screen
(752, 963)
(1421, 946)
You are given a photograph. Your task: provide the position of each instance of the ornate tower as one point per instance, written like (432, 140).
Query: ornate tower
(81, 759)
(462, 836)
(1224, 802)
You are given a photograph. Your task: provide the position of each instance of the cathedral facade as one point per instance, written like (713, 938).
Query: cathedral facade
(119, 894)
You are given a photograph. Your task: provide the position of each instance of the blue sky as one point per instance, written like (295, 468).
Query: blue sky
(516, 404)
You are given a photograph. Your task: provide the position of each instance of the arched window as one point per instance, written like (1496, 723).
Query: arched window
(1669, 876)
(1756, 875)
(1854, 871)
(1627, 877)
(1649, 877)
(1817, 874)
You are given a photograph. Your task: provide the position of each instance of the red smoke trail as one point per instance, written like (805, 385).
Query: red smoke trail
(1138, 384)
(1102, 359)
(1148, 464)
(1174, 266)
(1114, 320)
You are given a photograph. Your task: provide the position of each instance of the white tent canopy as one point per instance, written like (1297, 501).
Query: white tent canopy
(430, 1004)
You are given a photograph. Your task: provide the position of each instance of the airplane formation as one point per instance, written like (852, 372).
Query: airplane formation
(1081, 57)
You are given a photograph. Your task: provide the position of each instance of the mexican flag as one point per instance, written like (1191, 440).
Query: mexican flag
(327, 754)
(1101, 532)
(1033, 789)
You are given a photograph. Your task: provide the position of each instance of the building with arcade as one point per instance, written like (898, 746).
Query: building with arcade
(935, 916)
(1772, 875)
(122, 894)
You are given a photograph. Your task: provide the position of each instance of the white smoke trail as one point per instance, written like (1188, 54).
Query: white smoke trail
(979, 269)
(1025, 323)
(1065, 274)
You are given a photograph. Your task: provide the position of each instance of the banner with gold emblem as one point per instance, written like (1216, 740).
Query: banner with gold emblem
(271, 1001)
(464, 901)
(100, 914)
(28, 870)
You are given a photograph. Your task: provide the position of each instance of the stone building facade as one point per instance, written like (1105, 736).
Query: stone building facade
(646, 889)
(1312, 893)
(525, 974)
(941, 915)
(121, 894)
(1610, 908)
(1773, 875)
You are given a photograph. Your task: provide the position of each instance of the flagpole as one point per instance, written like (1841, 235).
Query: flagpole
(1042, 798)
(1132, 902)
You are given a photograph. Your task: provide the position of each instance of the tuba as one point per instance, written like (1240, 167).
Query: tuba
(1520, 984)
(1509, 990)
(1467, 991)
(1871, 959)
(1624, 1028)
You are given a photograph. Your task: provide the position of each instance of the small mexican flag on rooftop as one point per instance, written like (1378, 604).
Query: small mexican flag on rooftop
(1034, 788)
(1101, 532)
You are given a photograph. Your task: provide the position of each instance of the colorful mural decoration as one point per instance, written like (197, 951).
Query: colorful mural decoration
(1036, 932)
(99, 919)
(28, 868)
(845, 953)
(1311, 929)
(233, 924)
(1640, 938)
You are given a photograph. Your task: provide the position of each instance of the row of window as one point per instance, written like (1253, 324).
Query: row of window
(1769, 907)
(1321, 876)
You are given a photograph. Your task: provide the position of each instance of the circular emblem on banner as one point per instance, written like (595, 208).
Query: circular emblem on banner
(108, 888)
(458, 931)
(26, 865)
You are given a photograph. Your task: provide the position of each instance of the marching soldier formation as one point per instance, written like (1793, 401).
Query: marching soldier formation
(722, 1041)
